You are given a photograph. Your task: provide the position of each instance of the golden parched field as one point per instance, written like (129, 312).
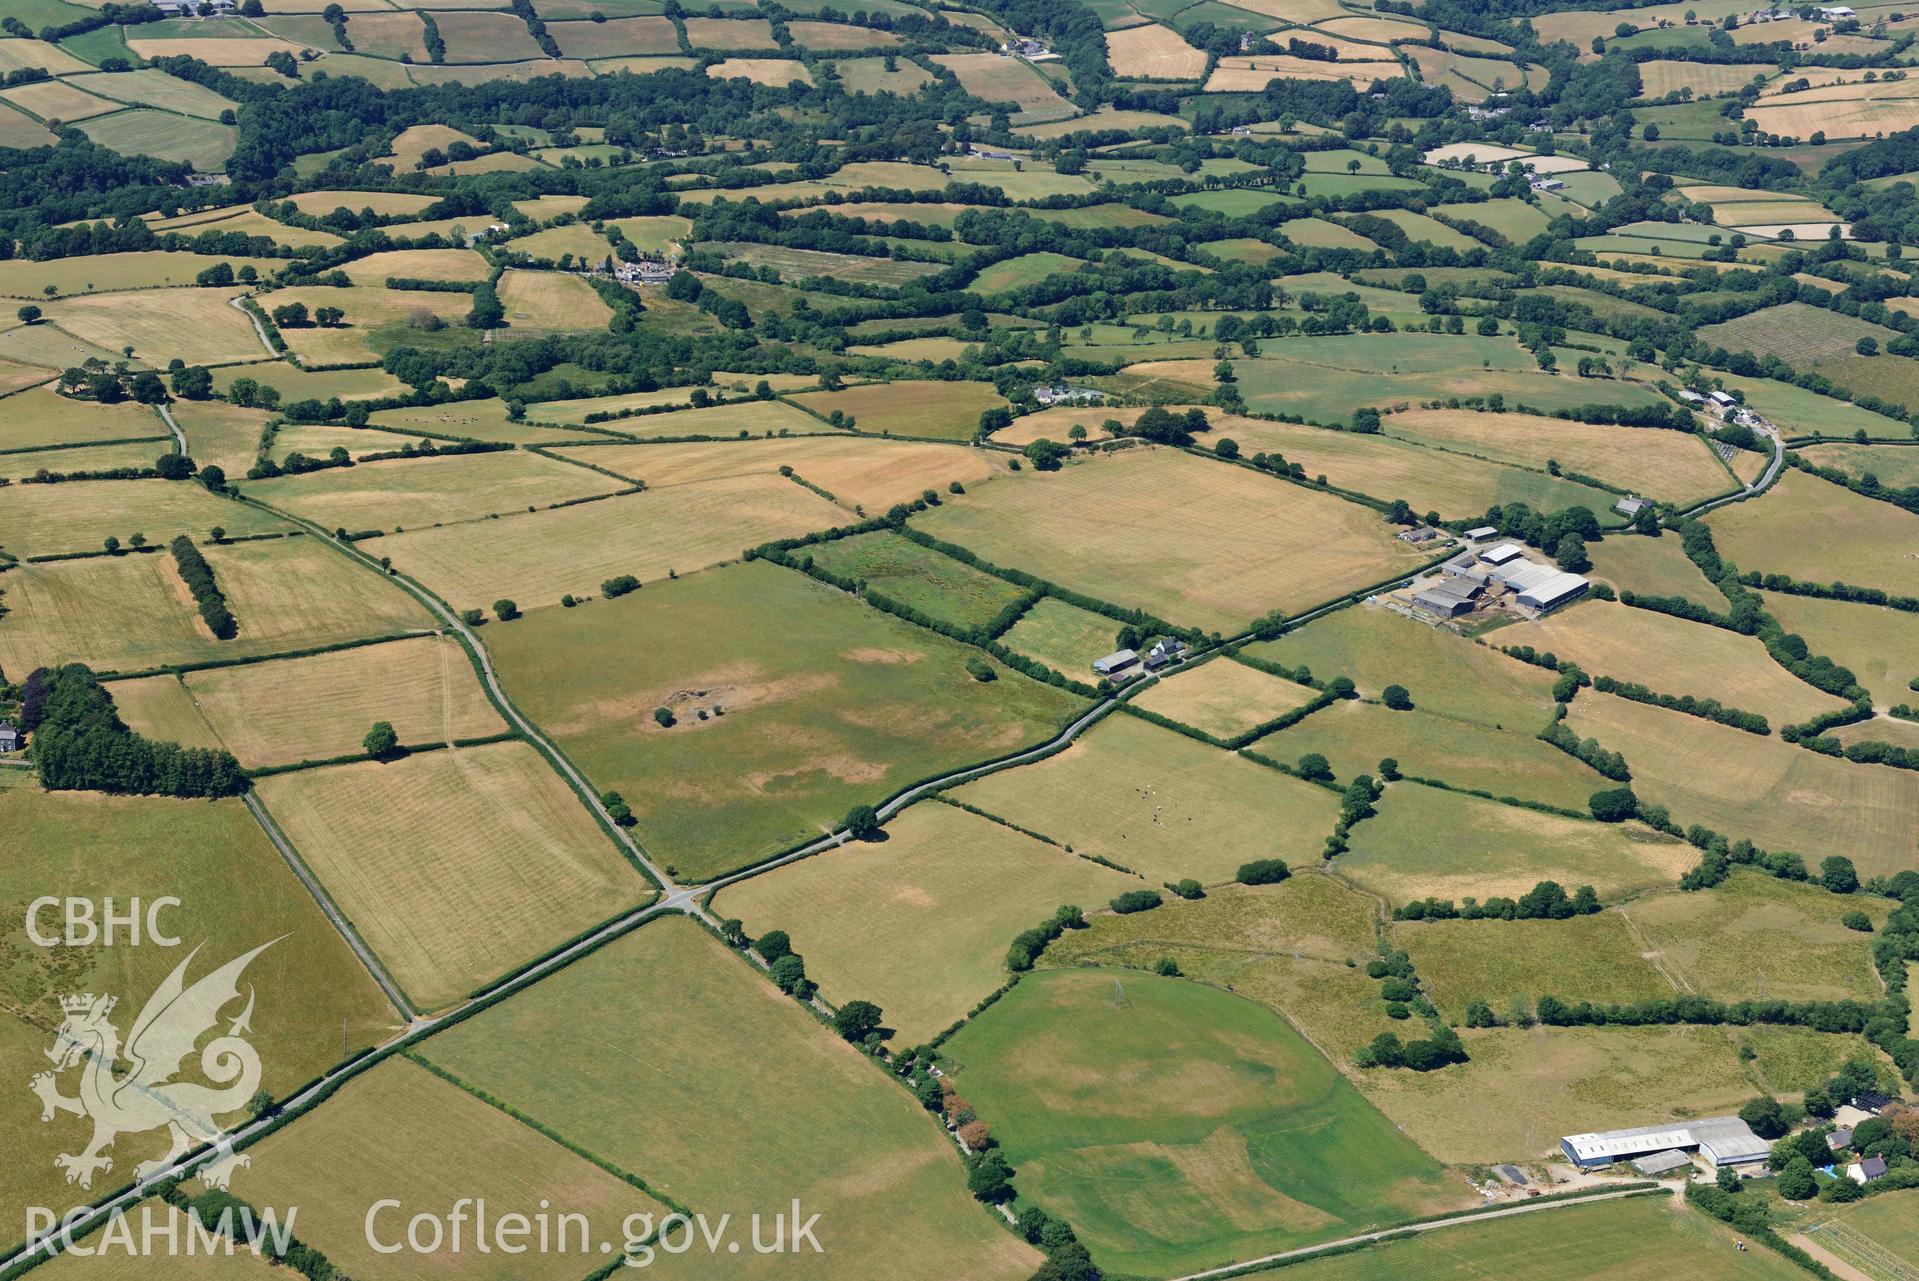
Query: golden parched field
(998, 78)
(535, 558)
(1224, 698)
(417, 264)
(762, 71)
(455, 865)
(1669, 465)
(78, 516)
(1812, 805)
(401, 1131)
(669, 1012)
(124, 613)
(42, 417)
(1840, 111)
(551, 300)
(919, 923)
(198, 326)
(855, 470)
(415, 493)
(1196, 542)
(1160, 803)
(321, 706)
(1153, 52)
(1672, 656)
(1250, 75)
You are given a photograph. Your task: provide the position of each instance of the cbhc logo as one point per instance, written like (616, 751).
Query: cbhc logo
(110, 923)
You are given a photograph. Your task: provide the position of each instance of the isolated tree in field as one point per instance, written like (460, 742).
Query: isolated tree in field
(174, 466)
(505, 610)
(1388, 768)
(137, 541)
(862, 823)
(29, 314)
(1045, 455)
(1837, 874)
(1396, 697)
(112, 544)
(1314, 768)
(856, 1019)
(1366, 421)
(663, 717)
(381, 739)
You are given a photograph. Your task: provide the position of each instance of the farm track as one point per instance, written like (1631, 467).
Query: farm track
(1759, 486)
(258, 328)
(675, 898)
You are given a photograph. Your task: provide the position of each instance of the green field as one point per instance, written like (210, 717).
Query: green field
(1653, 567)
(915, 576)
(1876, 1235)
(204, 144)
(1160, 803)
(1324, 379)
(1798, 333)
(782, 725)
(1298, 946)
(1425, 842)
(810, 264)
(1632, 1238)
(1444, 673)
(235, 894)
(1879, 646)
(1017, 273)
(1815, 805)
(668, 1013)
(1178, 1127)
(919, 923)
(1354, 737)
(941, 410)
(1064, 637)
(1757, 938)
(1511, 964)
(1860, 541)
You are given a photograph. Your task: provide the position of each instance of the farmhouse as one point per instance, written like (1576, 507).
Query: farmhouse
(1839, 1140)
(10, 738)
(1117, 661)
(1630, 507)
(1418, 534)
(1864, 1172)
(1165, 650)
(1722, 1140)
(1063, 395)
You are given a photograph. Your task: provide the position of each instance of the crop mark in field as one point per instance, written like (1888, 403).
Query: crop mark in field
(1864, 1253)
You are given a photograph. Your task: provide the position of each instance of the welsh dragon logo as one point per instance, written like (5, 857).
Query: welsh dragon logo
(146, 1095)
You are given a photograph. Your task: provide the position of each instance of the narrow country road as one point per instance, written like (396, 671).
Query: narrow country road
(1766, 478)
(179, 437)
(347, 932)
(674, 897)
(1525, 1207)
(258, 328)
